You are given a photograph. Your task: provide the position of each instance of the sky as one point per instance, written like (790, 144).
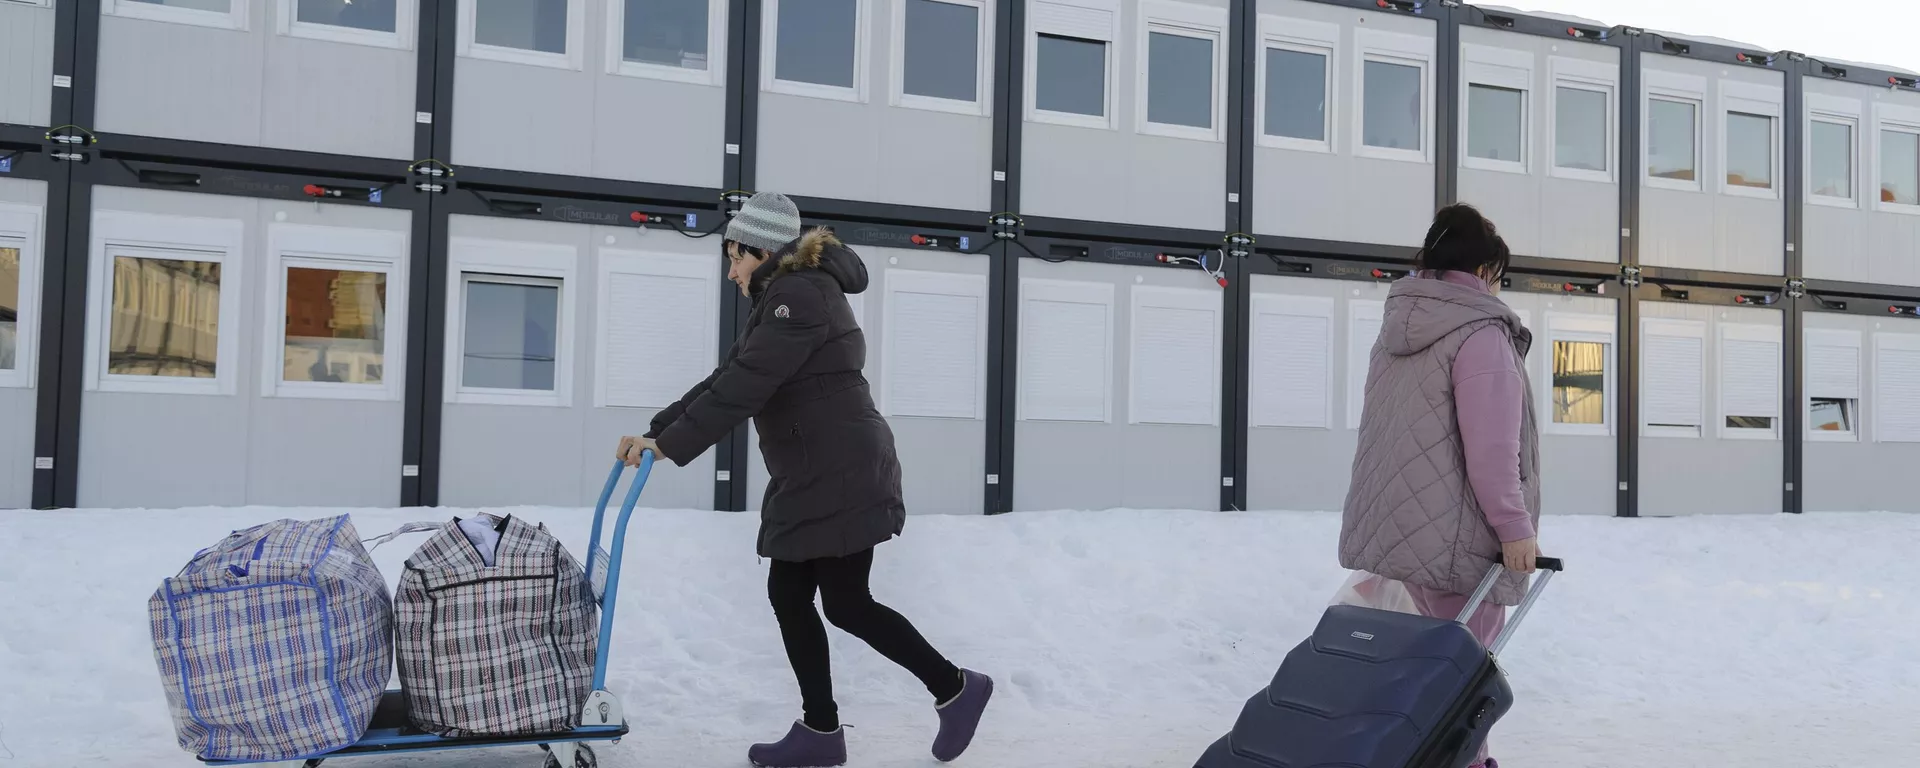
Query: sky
(1864, 31)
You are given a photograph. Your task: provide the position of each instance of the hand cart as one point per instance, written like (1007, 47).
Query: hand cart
(602, 719)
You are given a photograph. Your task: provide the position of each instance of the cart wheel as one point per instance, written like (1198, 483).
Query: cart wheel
(584, 758)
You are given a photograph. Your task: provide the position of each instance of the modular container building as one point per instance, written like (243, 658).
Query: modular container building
(1122, 253)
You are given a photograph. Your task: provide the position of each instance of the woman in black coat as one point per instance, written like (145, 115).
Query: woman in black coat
(835, 488)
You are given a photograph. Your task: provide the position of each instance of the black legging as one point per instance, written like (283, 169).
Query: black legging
(842, 584)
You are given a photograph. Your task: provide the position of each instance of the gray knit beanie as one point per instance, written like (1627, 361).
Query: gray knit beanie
(768, 221)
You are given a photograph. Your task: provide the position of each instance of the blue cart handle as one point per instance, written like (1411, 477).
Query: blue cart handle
(609, 598)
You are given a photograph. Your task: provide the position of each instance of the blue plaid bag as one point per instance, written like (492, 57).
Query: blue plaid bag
(275, 643)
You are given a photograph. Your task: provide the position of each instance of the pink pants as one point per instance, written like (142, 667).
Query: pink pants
(1485, 624)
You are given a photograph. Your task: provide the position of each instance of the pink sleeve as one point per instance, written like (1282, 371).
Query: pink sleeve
(1487, 399)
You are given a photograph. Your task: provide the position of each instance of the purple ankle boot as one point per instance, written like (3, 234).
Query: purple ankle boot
(803, 747)
(961, 715)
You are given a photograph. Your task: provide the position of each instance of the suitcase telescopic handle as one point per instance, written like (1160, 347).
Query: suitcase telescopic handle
(1547, 566)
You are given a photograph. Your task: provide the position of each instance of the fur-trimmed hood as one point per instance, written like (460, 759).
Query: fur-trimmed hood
(817, 249)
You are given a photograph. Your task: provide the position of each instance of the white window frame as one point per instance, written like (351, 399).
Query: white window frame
(511, 261)
(1760, 100)
(1836, 337)
(574, 58)
(406, 16)
(1173, 298)
(1393, 48)
(1581, 327)
(21, 227)
(969, 285)
(35, 3)
(715, 74)
(625, 261)
(193, 238)
(1884, 340)
(1824, 108)
(981, 105)
(1038, 24)
(1101, 294)
(769, 56)
(321, 247)
(1899, 119)
(1294, 306)
(1500, 68)
(1673, 86)
(1692, 329)
(1590, 76)
(1770, 334)
(1316, 38)
(1184, 20)
(235, 18)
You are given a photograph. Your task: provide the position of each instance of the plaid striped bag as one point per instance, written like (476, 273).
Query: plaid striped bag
(495, 650)
(275, 643)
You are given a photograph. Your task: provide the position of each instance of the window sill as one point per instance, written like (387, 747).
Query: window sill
(1672, 185)
(530, 398)
(1823, 436)
(664, 73)
(14, 378)
(1752, 193)
(1901, 209)
(1494, 166)
(1294, 144)
(1581, 174)
(937, 104)
(520, 56)
(1735, 433)
(1392, 155)
(816, 91)
(1689, 433)
(1183, 132)
(162, 385)
(316, 390)
(1071, 120)
(348, 36)
(1824, 201)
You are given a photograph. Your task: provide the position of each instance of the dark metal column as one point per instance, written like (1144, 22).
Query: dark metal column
(1793, 432)
(1003, 276)
(1627, 402)
(1234, 371)
(1446, 104)
(427, 286)
(743, 125)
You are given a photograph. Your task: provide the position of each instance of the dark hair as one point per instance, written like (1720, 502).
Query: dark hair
(746, 250)
(1463, 240)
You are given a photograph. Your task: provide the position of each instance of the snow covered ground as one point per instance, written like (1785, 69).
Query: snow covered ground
(1118, 638)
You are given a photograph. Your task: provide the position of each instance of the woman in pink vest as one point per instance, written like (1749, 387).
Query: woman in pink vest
(1446, 481)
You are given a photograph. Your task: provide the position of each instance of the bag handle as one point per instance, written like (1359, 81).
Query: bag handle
(1548, 566)
(373, 542)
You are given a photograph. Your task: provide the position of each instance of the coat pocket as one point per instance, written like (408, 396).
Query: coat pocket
(800, 445)
(785, 451)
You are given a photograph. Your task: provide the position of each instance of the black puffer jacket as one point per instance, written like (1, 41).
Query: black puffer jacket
(797, 372)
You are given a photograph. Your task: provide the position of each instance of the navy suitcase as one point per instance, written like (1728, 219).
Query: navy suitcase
(1379, 689)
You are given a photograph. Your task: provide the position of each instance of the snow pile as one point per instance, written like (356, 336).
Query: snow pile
(1118, 638)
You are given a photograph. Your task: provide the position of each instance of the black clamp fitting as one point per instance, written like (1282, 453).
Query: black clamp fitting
(1005, 226)
(439, 175)
(71, 143)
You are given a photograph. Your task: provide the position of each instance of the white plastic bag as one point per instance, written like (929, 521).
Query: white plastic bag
(1370, 591)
